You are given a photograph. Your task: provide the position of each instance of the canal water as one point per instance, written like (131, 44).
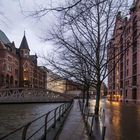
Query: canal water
(13, 116)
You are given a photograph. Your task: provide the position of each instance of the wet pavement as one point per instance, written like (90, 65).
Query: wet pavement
(74, 128)
(122, 121)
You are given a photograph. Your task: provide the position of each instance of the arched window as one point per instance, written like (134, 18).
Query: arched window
(25, 72)
(7, 79)
(2, 79)
(11, 80)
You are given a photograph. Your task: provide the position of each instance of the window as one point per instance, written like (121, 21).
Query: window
(26, 77)
(16, 82)
(127, 72)
(121, 76)
(121, 66)
(121, 84)
(134, 69)
(127, 83)
(134, 58)
(26, 53)
(2, 79)
(125, 93)
(134, 93)
(16, 72)
(21, 51)
(134, 45)
(9, 68)
(134, 81)
(127, 62)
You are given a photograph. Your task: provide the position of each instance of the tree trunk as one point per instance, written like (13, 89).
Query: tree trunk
(87, 99)
(83, 95)
(97, 105)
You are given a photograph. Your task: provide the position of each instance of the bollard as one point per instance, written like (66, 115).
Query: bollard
(103, 132)
(91, 125)
(103, 117)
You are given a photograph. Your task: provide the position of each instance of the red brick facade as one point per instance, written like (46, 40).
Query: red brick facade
(124, 80)
(17, 67)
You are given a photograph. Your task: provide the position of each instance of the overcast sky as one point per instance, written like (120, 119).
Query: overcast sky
(13, 23)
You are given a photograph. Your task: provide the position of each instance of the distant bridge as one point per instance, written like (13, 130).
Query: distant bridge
(31, 95)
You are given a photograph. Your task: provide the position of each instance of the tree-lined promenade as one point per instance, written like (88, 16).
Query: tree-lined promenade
(90, 44)
(82, 36)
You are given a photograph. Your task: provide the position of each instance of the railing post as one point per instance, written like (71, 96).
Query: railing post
(83, 108)
(45, 129)
(25, 131)
(55, 118)
(59, 113)
(63, 109)
(104, 127)
(103, 132)
(103, 117)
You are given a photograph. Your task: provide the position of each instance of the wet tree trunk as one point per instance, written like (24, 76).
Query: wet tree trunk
(97, 105)
(84, 95)
(87, 97)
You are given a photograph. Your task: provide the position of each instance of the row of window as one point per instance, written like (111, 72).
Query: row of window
(134, 93)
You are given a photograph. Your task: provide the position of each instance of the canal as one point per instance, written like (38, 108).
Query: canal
(12, 116)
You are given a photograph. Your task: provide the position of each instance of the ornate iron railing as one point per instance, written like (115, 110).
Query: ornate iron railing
(31, 95)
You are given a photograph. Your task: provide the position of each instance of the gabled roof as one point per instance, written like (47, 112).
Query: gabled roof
(24, 44)
(4, 38)
(33, 58)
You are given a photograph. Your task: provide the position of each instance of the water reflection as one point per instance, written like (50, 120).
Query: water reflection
(13, 116)
(122, 120)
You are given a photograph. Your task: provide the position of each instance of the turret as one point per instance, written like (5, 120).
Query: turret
(24, 48)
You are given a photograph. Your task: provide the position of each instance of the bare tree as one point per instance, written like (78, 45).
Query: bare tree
(64, 6)
(73, 67)
(84, 32)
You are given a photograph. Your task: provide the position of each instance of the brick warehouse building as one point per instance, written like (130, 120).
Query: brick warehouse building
(17, 67)
(124, 80)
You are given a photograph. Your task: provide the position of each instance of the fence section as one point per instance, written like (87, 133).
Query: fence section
(41, 126)
(19, 95)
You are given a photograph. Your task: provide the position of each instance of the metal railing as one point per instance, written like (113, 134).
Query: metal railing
(12, 95)
(39, 127)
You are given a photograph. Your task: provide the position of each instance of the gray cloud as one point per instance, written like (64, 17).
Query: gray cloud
(14, 20)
